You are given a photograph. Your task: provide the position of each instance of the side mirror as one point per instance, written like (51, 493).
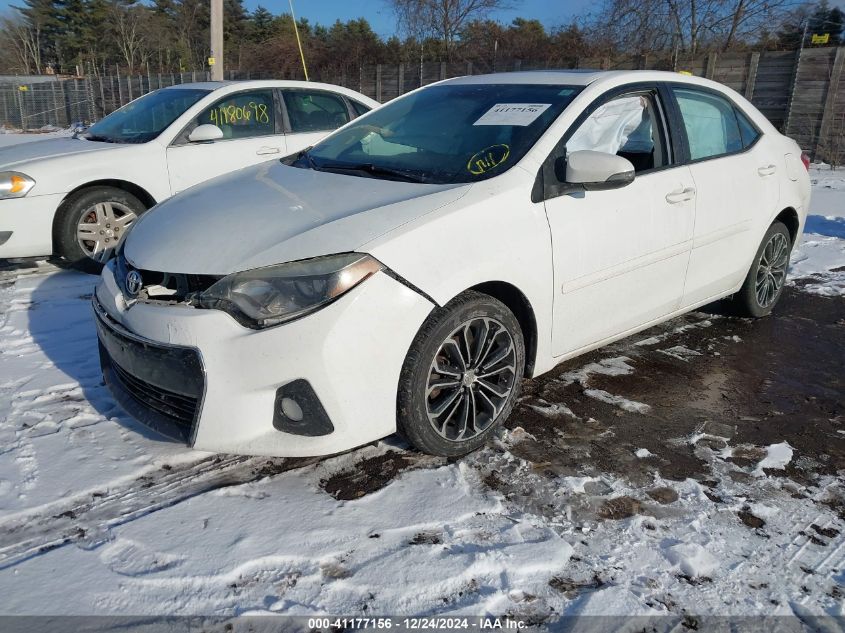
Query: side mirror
(205, 133)
(597, 171)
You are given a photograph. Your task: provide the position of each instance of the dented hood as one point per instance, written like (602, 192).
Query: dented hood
(273, 213)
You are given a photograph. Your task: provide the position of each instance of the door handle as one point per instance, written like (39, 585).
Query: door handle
(767, 170)
(268, 150)
(680, 195)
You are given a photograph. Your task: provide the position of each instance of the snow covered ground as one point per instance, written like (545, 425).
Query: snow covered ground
(99, 517)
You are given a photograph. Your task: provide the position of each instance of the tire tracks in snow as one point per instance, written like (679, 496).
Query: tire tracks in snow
(86, 518)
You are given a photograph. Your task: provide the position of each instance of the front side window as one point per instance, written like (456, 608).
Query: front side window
(628, 126)
(315, 111)
(710, 122)
(450, 133)
(146, 117)
(242, 115)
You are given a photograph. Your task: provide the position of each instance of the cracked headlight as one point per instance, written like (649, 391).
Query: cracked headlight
(14, 184)
(269, 296)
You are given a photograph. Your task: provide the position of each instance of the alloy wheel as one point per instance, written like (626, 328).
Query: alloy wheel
(471, 379)
(102, 227)
(771, 270)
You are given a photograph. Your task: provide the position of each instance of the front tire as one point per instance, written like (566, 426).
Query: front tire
(461, 377)
(764, 283)
(91, 223)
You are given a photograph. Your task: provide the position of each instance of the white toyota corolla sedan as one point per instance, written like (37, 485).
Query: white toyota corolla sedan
(405, 273)
(75, 197)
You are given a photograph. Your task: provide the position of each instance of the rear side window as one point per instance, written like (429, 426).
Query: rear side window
(359, 108)
(710, 122)
(314, 111)
(747, 130)
(242, 115)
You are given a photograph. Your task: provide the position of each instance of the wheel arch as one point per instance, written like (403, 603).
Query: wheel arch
(789, 217)
(518, 303)
(130, 187)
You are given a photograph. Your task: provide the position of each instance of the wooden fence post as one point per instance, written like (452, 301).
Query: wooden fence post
(788, 119)
(378, 83)
(401, 79)
(710, 70)
(120, 91)
(469, 68)
(442, 71)
(830, 98)
(66, 100)
(751, 78)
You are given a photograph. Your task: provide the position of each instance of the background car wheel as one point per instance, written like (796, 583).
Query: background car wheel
(461, 377)
(91, 224)
(764, 284)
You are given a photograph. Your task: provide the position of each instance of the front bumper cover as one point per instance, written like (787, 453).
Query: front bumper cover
(350, 353)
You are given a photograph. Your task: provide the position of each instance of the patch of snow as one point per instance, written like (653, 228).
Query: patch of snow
(680, 352)
(642, 453)
(618, 401)
(693, 560)
(552, 410)
(777, 457)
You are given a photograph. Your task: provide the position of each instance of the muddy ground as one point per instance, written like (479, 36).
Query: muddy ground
(703, 385)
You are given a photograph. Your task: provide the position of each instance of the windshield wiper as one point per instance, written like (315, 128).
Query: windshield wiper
(367, 168)
(98, 138)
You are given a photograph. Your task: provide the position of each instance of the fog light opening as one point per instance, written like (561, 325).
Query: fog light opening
(291, 409)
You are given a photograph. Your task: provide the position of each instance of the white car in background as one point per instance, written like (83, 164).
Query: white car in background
(407, 272)
(75, 197)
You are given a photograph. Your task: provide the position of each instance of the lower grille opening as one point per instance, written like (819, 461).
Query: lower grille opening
(177, 406)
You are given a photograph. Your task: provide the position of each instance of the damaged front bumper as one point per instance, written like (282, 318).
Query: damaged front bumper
(316, 386)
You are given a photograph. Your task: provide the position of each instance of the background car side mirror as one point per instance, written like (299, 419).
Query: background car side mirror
(597, 171)
(205, 133)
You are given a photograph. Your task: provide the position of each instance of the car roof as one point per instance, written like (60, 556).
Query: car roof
(577, 77)
(257, 83)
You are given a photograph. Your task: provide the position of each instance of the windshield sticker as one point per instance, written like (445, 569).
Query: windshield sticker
(487, 159)
(512, 114)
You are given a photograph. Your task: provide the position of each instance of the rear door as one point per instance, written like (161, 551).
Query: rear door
(252, 133)
(736, 181)
(313, 114)
(620, 256)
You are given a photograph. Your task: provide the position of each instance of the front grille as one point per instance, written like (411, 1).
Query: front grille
(181, 408)
(161, 286)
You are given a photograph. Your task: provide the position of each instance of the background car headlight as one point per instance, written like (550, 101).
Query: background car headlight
(14, 184)
(268, 296)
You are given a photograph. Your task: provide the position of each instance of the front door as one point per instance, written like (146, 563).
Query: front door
(620, 256)
(252, 134)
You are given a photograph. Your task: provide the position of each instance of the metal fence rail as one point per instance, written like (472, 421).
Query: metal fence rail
(799, 91)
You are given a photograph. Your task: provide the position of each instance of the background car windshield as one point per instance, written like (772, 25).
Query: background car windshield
(145, 118)
(445, 134)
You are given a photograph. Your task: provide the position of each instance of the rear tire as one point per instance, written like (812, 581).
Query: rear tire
(100, 213)
(764, 283)
(461, 377)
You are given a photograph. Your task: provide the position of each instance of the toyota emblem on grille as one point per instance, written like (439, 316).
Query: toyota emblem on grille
(133, 283)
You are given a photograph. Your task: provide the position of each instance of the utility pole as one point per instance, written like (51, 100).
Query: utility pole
(215, 62)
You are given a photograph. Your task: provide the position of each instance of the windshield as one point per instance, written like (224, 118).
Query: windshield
(443, 134)
(145, 118)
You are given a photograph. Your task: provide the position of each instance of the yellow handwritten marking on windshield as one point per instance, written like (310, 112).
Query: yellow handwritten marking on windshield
(487, 159)
(233, 115)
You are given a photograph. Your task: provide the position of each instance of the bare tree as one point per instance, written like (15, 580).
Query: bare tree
(443, 19)
(126, 22)
(24, 41)
(645, 26)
